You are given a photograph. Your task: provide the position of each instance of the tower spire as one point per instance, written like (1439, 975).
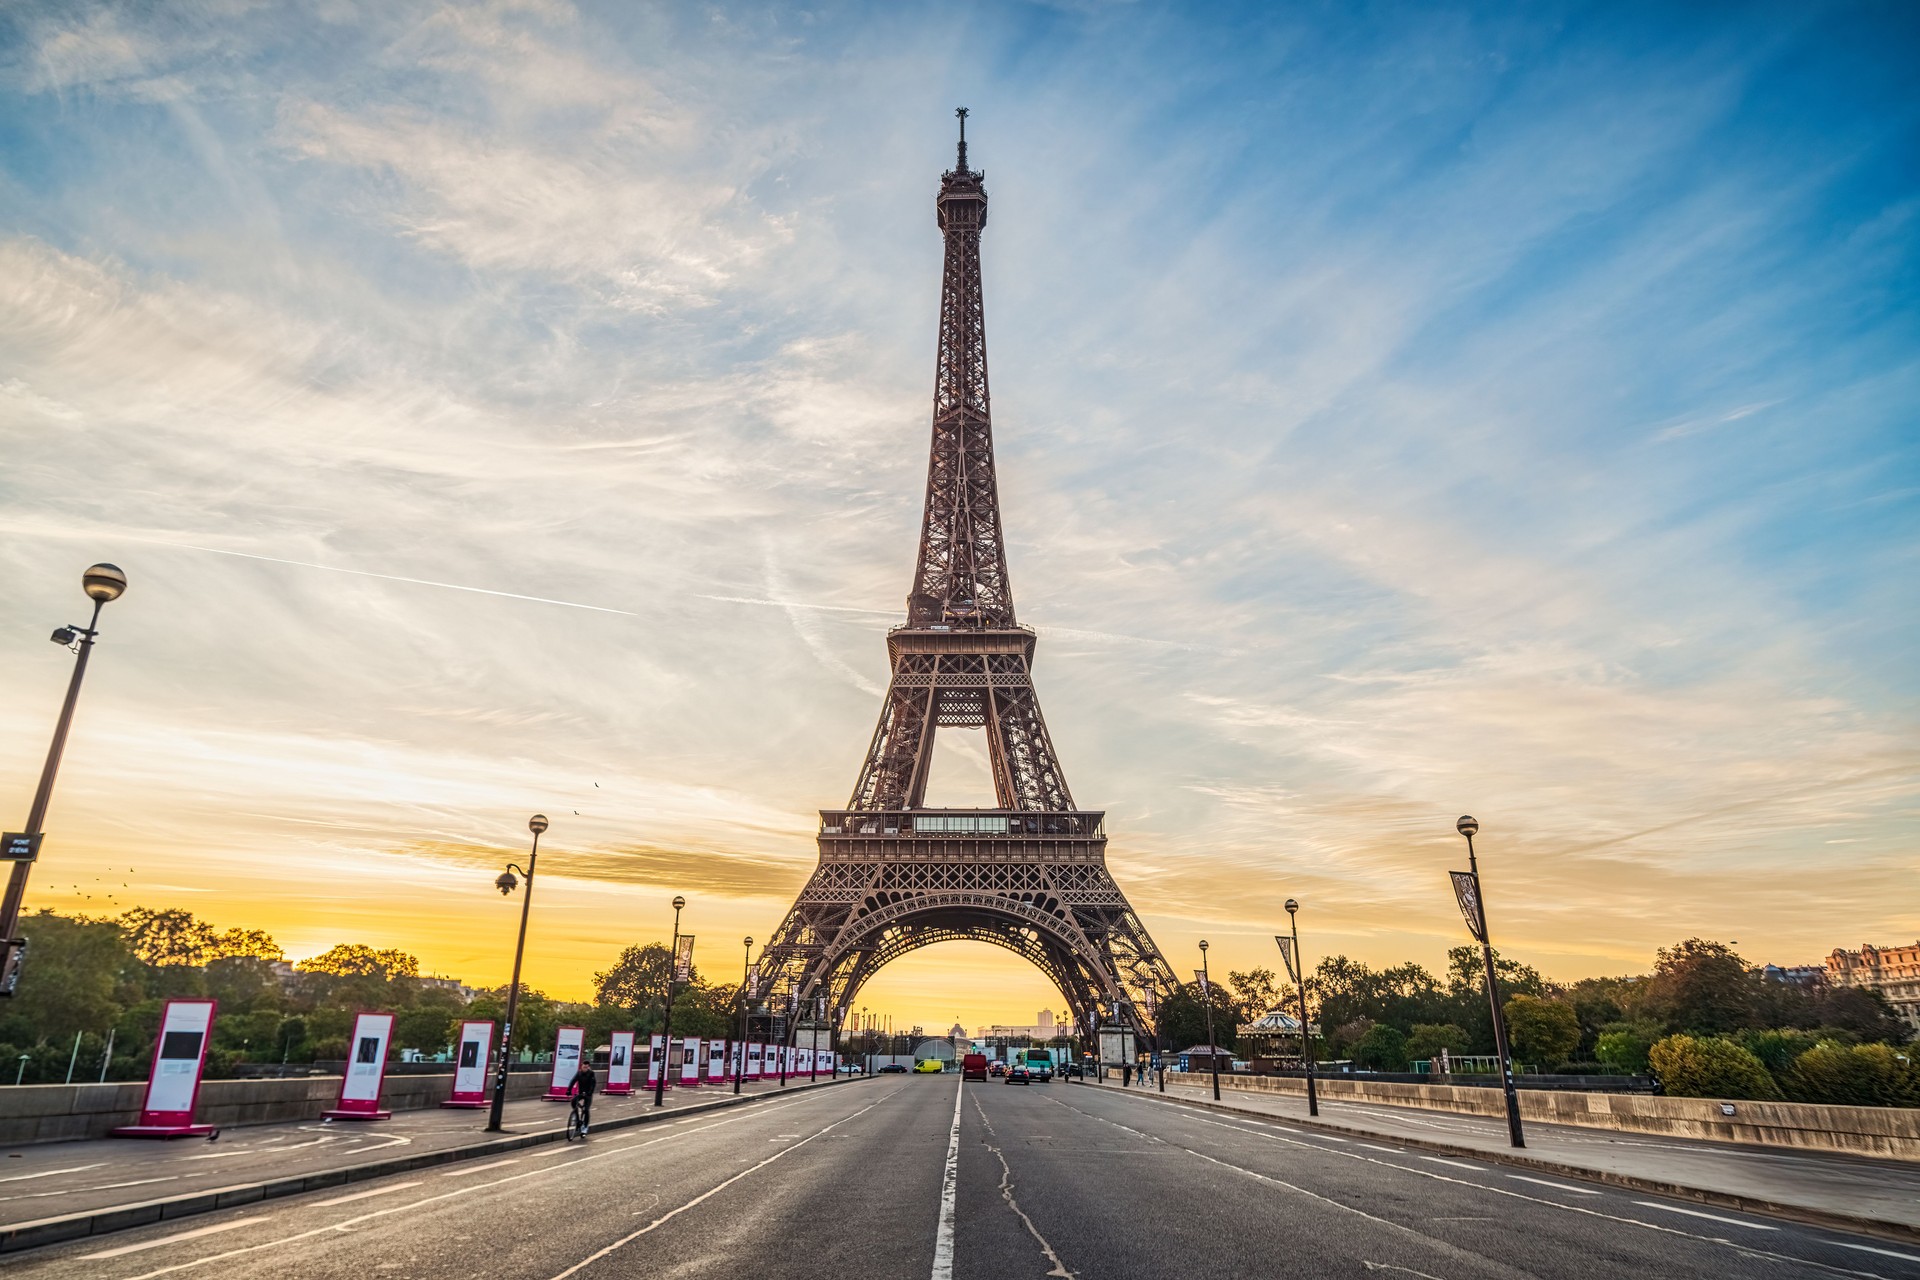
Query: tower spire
(962, 113)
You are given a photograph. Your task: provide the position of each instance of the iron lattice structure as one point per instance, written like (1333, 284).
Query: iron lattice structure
(1029, 875)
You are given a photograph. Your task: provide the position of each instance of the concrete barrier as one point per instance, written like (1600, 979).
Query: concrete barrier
(69, 1112)
(1886, 1132)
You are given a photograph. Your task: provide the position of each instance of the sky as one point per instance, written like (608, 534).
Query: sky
(1403, 410)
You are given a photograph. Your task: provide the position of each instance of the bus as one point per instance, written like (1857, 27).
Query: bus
(1038, 1062)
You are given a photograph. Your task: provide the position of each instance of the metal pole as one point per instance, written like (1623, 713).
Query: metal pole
(666, 1019)
(73, 1059)
(106, 1059)
(1306, 1035)
(1514, 1135)
(746, 971)
(513, 999)
(1206, 996)
(43, 794)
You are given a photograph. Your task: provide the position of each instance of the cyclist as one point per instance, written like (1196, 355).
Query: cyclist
(582, 1091)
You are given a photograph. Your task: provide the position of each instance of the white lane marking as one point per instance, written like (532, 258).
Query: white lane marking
(48, 1173)
(364, 1195)
(1324, 1137)
(1749, 1250)
(172, 1239)
(671, 1214)
(1695, 1213)
(1458, 1164)
(1867, 1248)
(746, 1113)
(1392, 1151)
(949, 1184)
(220, 1155)
(1557, 1186)
(478, 1168)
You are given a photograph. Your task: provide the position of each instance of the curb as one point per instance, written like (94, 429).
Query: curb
(100, 1222)
(1878, 1227)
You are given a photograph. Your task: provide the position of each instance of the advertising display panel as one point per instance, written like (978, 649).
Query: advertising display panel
(620, 1064)
(366, 1070)
(717, 1062)
(568, 1044)
(470, 1065)
(690, 1061)
(754, 1051)
(657, 1061)
(173, 1084)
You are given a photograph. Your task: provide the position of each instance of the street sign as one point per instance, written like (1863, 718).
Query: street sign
(17, 846)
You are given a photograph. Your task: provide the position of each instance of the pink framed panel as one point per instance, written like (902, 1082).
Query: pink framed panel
(689, 1061)
(620, 1064)
(569, 1047)
(366, 1071)
(470, 1060)
(173, 1082)
(717, 1072)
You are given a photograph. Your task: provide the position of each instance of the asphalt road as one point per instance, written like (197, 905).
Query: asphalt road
(924, 1176)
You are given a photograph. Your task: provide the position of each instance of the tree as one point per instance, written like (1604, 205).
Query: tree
(1703, 987)
(1859, 1010)
(243, 983)
(171, 936)
(1183, 1019)
(1710, 1067)
(1402, 995)
(1383, 1048)
(430, 1025)
(1542, 1032)
(353, 959)
(78, 977)
(1861, 1075)
(254, 944)
(1624, 1045)
(1257, 991)
(637, 980)
(1428, 1039)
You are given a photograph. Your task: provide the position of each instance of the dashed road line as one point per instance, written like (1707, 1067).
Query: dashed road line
(172, 1239)
(1713, 1217)
(364, 1195)
(1557, 1186)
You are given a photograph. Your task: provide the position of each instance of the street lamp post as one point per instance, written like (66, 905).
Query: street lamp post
(666, 1019)
(102, 583)
(1473, 905)
(506, 883)
(1306, 1035)
(1206, 998)
(746, 972)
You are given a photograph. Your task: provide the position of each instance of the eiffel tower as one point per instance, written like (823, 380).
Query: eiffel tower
(1029, 875)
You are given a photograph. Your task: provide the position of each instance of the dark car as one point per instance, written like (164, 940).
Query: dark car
(996, 1069)
(892, 1069)
(1019, 1075)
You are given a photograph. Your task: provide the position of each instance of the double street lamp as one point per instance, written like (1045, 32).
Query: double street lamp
(666, 1019)
(506, 884)
(1296, 957)
(1206, 998)
(1473, 905)
(102, 583)
(746, 974)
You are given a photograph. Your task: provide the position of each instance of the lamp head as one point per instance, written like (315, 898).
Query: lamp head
(537, 823)
(748, 942)
(104, 582)
(506, 883)
(1203, 944)
(1292, 906)
(678, 902)
(1467, 826)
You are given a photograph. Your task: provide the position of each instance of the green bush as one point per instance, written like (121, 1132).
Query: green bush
(1624, 1047)
(1710, 1067)
(1383, 1048)
(1428, 1039)
(1862, 1075)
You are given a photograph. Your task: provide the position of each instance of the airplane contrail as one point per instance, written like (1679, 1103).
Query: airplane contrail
(394, 577)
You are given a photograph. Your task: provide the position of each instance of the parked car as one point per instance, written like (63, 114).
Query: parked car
(973, 1067)
(1019, 1075)
(892, 1069)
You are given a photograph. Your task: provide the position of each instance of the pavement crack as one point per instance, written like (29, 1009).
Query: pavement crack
(1006, 1194)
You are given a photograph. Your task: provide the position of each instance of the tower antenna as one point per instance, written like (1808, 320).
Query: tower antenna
(962, 113)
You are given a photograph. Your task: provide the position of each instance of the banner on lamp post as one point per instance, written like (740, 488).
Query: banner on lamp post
(1467, 890)
(683, 958)
(470, 1065)
(1286, 953)
(569, 1043)
(173, 1083)
(366, 1070)
(620, 1064)
(1206, 993)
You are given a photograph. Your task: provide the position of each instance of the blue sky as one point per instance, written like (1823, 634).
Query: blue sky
(1402, 411)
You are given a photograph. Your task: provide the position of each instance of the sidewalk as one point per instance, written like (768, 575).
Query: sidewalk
(60, 1191)
(1853, 1192)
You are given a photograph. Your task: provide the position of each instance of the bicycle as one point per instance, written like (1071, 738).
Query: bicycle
(577, 1118)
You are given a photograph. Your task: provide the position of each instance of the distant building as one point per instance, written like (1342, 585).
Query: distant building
(1042, 1028)
(1892, 971)
(1801, 975)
